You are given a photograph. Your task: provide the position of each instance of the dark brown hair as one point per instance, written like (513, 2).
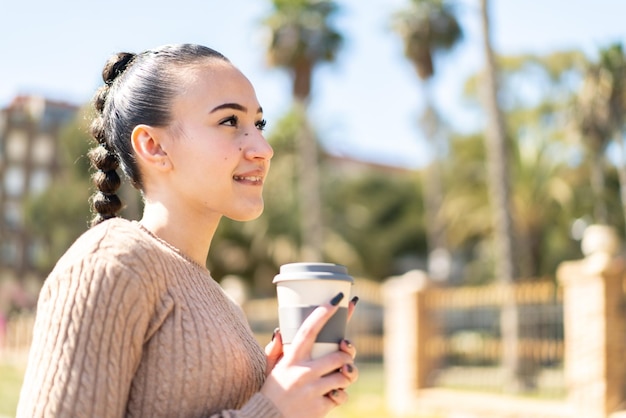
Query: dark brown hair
(138, 89)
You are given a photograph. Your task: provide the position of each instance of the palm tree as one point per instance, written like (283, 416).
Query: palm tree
(428, 27)
(591, 115)
(539, 155)
(301, 37)
(601, 106)
(614, 60)
(499, 194)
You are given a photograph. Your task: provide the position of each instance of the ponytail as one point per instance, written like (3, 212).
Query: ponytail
(105, 202)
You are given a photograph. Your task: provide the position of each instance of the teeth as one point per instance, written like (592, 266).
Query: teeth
(248, 178)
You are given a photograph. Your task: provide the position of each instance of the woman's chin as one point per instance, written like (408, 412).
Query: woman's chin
(249, 214)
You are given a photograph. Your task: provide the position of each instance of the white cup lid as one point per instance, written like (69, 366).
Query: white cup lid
(308, 271)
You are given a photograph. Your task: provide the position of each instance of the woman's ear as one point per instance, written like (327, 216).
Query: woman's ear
(148, 147)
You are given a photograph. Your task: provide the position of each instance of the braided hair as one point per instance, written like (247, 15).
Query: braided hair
(138, 89)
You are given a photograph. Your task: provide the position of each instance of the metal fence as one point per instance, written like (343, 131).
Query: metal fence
(468, 344)
(16, 335)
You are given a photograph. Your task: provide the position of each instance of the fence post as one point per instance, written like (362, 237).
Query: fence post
(407, 329)
(594, 324)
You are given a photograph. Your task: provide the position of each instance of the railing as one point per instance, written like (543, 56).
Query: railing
(467, 347)
(16, 336)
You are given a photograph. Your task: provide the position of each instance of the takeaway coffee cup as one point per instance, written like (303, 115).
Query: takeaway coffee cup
(300, 288)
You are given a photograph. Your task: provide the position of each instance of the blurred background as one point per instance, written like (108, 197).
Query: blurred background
(472, 142)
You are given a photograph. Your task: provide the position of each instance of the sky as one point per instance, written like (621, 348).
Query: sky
(365, 106)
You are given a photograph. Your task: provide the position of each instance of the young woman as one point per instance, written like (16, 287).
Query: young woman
(130, 322)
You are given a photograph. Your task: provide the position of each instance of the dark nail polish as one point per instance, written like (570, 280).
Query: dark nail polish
(355, 300)
(348, 343)
(334, 393)
(274, 333)
(335, 301)
(349, 368)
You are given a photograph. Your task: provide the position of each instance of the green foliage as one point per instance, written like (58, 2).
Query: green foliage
(302, 31)
(57, 216)
(378, 214)
(549, 78)
(426, 26)
(598, 121)
(550, 169)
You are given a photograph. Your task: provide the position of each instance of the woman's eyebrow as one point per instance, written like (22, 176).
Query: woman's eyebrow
(234, 106)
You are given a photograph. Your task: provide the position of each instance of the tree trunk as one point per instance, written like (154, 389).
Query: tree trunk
(311, 226)
(302, 74)
(621, 172)
(600, 212)
(497, 159)
(433, 191)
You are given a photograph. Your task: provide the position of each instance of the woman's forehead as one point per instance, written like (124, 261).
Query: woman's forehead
(217, 82)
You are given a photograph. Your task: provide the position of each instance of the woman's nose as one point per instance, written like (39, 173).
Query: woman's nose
(259, 147)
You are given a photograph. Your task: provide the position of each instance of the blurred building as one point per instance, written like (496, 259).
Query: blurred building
(29, 158)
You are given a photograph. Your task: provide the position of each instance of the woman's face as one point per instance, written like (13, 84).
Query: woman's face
(219, 156)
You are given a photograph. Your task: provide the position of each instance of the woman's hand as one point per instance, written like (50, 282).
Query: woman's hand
(306, 388)
(274, 350)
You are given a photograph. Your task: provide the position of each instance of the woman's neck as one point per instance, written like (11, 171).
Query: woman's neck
(189, 235)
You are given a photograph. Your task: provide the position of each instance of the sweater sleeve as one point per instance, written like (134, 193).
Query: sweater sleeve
(92, 318)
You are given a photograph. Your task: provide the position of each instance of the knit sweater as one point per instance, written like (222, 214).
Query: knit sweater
(128, 326)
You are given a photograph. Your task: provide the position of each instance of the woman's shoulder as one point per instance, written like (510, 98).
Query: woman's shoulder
(117, 242)
(113, 237)
(108, 256)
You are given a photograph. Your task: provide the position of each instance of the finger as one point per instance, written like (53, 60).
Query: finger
(347, 347)
(350, 371)
(332, 381)
(352, 306)
(304, 339)
(347, 370)
(274, 350)
(330, 363)
(275, 347)
(272, 345)
(338, 396)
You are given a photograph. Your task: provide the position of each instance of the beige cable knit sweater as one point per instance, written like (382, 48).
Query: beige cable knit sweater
(127, 326)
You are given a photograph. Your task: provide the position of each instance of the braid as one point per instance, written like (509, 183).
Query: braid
(105, 202)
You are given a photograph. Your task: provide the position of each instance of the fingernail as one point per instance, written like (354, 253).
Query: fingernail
(348, 343)
(349, 368)
(355, 300)
(335, 301)
(334, 393)
(274, 333)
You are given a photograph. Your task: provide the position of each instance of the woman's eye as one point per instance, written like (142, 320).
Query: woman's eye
(230, 121)
(260, 125)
